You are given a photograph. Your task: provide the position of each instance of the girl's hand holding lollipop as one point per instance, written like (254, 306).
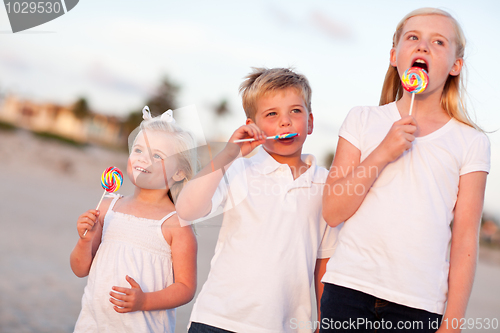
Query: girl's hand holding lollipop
(111, 180)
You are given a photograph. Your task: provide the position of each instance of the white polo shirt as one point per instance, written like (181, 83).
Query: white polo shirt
(271, 235)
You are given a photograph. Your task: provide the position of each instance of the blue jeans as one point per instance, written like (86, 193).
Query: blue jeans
(346, 310)
(202, 328)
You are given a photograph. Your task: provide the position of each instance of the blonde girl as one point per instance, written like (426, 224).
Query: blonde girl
(135, 244)
(398, 181)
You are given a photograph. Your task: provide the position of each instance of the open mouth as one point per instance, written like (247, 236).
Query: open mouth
(142, 170)
(421, 64)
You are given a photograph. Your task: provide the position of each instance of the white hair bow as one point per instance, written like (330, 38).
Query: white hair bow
(146, 114)
(167, 116)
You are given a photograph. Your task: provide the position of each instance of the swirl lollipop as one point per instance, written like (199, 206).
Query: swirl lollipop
(111, 180)
(414, 80)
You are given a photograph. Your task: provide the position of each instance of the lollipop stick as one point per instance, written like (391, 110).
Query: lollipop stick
(412, 99)
(252, 139)
(102, 197)
(101, 200)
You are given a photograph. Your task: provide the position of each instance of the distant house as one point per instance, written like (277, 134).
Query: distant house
(490, 232)
(62, 121)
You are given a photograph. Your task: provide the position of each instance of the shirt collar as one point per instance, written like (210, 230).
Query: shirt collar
(263, 162)
(266, 164)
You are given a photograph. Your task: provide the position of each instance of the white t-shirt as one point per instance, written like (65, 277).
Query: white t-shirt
(395, 246)
(271, 235)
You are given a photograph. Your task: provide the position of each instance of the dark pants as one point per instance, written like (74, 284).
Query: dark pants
(346, 310)
(202, 328)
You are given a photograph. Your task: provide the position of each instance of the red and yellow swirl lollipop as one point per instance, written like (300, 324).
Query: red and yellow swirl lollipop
(414, 80)
(111, 180)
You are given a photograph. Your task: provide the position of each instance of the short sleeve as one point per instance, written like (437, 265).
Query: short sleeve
(329, 241)
(477, 157)
(220, 195)
(351, 128)
(232, 187)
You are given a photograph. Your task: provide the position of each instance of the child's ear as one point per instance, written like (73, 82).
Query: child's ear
(393, 57)
(310, 124)
(457, 67)
(179, 176)
(249, 121)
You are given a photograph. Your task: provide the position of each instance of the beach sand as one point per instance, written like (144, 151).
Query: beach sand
(45, 186)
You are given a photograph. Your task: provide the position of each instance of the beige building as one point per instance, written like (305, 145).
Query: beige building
(60, 120)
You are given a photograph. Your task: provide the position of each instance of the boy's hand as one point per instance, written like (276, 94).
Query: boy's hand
(128, 299)
(398, 139)
(87, 221)
(250, 131)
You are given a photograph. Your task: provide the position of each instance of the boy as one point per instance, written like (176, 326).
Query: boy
(273, 237)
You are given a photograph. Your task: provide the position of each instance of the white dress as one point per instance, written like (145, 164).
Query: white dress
(135, 247)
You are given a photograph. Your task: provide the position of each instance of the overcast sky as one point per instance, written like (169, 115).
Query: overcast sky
(114, 53)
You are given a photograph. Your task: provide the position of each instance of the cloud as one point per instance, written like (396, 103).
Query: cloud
(332, 28)
(316, 19)
(281, 16)
(105, 78)
(15, 63)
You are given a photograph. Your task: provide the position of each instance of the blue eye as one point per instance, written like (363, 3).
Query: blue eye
(296, 110)
(439, 42)
(137, 150)
(271, 114)
(413, 37)
(157, 156)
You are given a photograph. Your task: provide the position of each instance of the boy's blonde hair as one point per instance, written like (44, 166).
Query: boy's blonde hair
(452, 99)
(263, 81)
(184, 148)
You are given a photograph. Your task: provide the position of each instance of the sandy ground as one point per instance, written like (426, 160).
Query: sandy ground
(45, 186)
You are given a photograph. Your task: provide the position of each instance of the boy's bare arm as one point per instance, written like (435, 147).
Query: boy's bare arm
(195, 199)
(319, 271)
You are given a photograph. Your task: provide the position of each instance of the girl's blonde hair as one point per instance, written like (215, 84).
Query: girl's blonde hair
(452, 99)
(184, 147)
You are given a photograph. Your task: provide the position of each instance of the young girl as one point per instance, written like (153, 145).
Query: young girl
(135, 244)
(398, 181)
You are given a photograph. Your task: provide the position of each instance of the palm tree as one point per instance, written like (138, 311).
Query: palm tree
(163, 99)
(81, 108)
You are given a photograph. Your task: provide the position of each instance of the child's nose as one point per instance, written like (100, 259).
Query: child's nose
(144, 158)
(285, 120)
(423, 46)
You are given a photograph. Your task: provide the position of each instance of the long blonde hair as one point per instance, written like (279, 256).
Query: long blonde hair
(453, 97)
